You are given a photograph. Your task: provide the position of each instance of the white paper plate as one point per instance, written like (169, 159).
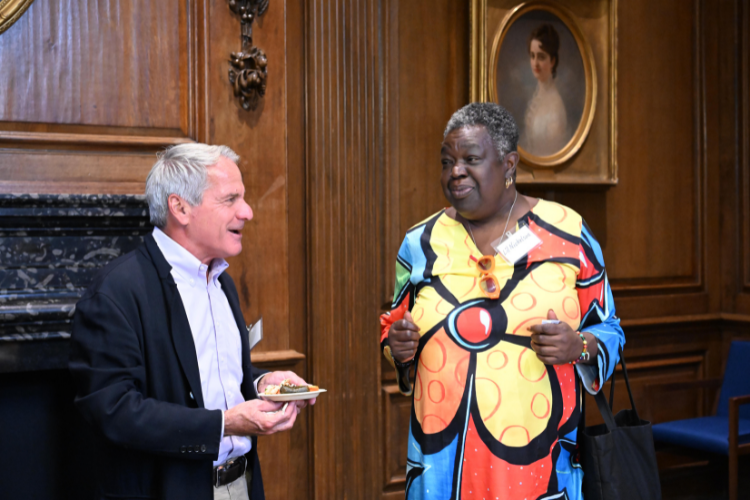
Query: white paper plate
(292, 397)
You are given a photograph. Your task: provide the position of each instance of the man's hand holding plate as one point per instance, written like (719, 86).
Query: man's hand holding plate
(276, 378)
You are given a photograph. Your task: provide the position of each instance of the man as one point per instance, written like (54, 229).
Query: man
(160, 354)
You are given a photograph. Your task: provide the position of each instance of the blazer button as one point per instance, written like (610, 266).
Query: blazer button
(203, 448)
(182, 449)
(192, 397)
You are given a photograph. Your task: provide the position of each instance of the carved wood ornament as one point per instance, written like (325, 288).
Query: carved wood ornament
(10, 11)
(248, 72)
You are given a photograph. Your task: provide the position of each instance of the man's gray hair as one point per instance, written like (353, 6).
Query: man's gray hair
(181, 170)
(499, 124)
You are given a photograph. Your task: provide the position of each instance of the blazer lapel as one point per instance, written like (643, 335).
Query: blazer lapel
(234, 303)
(179, 327)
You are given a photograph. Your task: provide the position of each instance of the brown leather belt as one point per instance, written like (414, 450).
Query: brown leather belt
(229, 471)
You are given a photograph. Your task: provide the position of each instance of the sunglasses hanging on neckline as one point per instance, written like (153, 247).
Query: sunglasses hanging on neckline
(488, 283)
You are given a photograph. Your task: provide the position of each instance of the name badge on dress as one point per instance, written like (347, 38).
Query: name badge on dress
(516, 245)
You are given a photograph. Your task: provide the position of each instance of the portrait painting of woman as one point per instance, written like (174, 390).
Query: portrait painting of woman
(541, 78)
(546, 121)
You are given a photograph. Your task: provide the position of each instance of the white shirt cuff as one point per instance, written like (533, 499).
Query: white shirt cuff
(222, 427)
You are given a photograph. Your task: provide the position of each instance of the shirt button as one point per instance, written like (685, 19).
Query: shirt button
(192, 282)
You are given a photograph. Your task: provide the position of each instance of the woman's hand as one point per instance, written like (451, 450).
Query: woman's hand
(403, 338)
(557, 344)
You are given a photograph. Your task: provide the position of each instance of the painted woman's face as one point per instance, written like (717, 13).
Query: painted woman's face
(541, 62)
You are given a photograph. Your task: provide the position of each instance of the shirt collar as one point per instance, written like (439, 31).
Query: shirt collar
(185, 263)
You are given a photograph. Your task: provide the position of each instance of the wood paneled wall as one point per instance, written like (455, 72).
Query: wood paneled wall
(735, 137)
(92, 89)
(342, 157)
(344, 197)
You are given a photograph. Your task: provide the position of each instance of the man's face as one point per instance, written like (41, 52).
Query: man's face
(215, 226)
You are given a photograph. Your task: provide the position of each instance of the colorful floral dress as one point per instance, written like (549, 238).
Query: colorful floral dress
(489, 420)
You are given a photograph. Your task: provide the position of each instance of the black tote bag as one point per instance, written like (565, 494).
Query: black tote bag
(618, 456)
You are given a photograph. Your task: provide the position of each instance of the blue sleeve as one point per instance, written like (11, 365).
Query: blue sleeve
(597, 312)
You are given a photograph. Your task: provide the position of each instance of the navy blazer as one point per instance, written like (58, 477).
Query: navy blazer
(135, 371)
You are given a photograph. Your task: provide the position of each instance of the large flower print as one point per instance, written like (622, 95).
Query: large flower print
(479, 385)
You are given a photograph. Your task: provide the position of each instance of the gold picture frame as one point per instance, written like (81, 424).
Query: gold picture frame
(584, 149)
(11, 11)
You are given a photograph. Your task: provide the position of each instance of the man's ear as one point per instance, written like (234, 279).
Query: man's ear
(179, 209)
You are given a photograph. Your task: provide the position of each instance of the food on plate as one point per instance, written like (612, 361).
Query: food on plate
(287, 387)
(271, 389)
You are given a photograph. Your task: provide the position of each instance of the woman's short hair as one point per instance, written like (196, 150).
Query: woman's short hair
(181, 170)
(499, 123)
(549, 40)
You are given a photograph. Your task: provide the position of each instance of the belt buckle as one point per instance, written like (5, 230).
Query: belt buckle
(225, 468)
(217, 475)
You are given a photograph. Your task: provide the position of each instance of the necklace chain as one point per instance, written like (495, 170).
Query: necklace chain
(471, 233)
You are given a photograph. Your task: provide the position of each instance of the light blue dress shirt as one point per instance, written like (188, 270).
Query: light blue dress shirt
(217, 339)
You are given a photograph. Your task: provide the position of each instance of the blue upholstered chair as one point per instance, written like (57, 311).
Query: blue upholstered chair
(728, 432)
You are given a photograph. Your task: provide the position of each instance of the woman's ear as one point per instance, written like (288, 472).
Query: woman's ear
(179, 209)
(511, 162)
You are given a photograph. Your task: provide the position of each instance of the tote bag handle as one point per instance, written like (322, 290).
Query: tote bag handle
(601, 400)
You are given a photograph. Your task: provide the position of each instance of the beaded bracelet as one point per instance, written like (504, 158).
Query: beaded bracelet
(585, 354)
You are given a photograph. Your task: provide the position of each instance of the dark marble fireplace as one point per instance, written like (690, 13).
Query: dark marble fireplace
(51, 247)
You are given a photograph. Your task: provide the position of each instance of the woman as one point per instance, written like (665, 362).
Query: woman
(546, 125)
(494, 411)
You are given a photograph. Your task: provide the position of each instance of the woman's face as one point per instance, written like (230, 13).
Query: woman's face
(541, 62)
(473, 177)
